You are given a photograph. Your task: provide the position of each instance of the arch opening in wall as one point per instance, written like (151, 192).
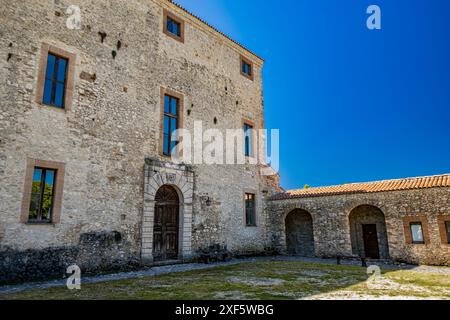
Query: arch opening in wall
(299, 233)
(166, 227)
(368, 232)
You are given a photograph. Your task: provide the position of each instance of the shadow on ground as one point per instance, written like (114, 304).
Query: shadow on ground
(267, 279)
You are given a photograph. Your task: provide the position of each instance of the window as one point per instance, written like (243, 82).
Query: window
(171, 107)
(246, 68)
(248, 141)
(444, 228)
(447, 227)
(43, 192)
(250, 212)
(417, 232)
(42, 195)
(55, 81)
(173, 26)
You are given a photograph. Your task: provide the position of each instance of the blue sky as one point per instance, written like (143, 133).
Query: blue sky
(352, 104)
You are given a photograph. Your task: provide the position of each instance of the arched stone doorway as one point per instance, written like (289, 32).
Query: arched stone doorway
(164, 183)
(368, 232)
(299, 233)
(166, 225)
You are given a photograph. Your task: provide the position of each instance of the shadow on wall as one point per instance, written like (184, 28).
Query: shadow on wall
(368, 233)
(95, 252)
(300, 233)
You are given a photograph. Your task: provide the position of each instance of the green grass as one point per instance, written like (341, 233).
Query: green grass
(261, 280)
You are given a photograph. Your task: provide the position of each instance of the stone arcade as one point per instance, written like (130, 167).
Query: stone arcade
(404, 220)
(86, 118)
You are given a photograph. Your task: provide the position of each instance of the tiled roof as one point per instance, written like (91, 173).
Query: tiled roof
(215, 29)
(369, 187)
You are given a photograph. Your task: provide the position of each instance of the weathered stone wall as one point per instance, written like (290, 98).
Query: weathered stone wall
(114, 122)
(332, 235)
(368, 215)
(299, 233)
(95, 252)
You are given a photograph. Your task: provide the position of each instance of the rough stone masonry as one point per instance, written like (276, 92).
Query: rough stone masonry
(109, 140)
(117, 198)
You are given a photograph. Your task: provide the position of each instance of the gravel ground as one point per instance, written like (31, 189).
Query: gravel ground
(153, 271)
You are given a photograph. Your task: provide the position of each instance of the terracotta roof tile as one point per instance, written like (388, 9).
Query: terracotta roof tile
(369, 187)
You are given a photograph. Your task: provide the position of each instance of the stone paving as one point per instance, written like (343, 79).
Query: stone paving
(177, 268)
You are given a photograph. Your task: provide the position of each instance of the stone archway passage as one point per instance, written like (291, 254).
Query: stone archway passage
(299, 233)
(166, 224)
(368, 232)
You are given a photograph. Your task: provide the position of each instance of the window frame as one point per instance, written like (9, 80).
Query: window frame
(447, 227)
(41, 194)
(247, 122)
(252, 69)
(47, 49)
(170, 117)
(58, 184)
(444, 222)
(168, 15)
(255, 215)
(416, 223)
(180, 112)
(422, 219)
(54, 80)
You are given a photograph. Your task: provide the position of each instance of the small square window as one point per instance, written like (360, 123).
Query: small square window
(417, 232)
(246, 68)
(173, 26)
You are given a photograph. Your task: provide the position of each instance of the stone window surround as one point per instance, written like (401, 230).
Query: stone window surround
(252, 75)
(59, 186)
(442, 219)
(166, 91)
(71, 57)
(407, 229)
(251, 191)
(181, 178)
(168, 14)
(253, 141)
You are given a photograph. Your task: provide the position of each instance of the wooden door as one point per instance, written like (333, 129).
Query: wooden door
(370, 241)
(166, 225)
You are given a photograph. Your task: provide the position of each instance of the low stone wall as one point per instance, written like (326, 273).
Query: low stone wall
(95, 252)
(331, 224)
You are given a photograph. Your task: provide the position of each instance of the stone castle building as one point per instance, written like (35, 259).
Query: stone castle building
(88, 107)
